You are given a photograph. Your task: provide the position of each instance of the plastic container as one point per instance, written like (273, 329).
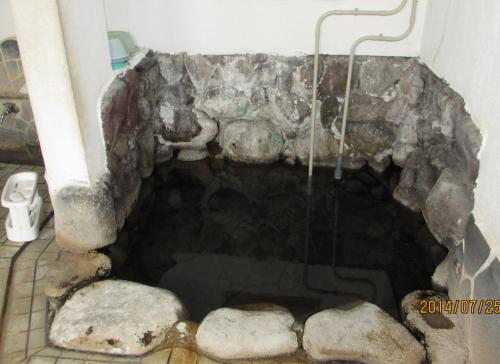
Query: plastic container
(126, 39)
(119, 56)
(20, 196)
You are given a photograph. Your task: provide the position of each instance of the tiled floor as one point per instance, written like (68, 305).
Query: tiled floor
(8, 249)
(24, 328)
(16, 322)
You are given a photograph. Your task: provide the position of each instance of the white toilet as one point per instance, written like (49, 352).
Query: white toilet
(20, 196)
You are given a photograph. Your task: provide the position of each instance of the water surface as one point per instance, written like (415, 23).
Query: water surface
(220, 234)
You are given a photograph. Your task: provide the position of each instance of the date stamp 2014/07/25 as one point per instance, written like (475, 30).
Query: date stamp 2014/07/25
(486, 307)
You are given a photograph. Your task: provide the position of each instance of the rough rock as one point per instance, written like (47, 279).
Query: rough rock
(329, 112)
(450, 194)
(189, 155)
(400, 153)
(73, 270)
(200, 70)
(468, 142)
(179, 125)
(442, 153)
(440, 277)
(116, 317)
(426, 179)
(441, 335)
(128, 112)
(252, 142)
(450, 107)
(364, 333)
(114, 108)
(82, 212)
(416, 181)
(373, 140)
(334, 75)
(214, 102)
(411, 84)
(196, 147)
(325, 146)
(378, 75)
(366, 108)
(405, 122)
(171, 68)
(406, 192)
(146, 150)
(230, 334)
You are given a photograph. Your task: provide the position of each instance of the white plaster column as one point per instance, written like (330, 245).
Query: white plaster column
(66, 61)
(86, 43)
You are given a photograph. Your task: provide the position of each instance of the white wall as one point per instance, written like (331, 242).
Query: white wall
(252, 26)
(461, 43)
(6, 22)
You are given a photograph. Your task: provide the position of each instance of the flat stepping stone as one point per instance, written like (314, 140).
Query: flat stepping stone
(364, 333)
(231, 334)
(74, 270)
(444, 339)
(116, 317)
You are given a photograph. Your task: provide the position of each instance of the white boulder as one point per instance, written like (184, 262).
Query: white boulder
(230, 334)
(116, 317)
(442, 335)
(364, 333)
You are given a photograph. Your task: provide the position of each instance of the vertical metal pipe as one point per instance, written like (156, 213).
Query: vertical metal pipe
(377, 38)
(356, 12)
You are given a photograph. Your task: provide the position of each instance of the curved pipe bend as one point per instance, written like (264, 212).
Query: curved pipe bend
(381, 37)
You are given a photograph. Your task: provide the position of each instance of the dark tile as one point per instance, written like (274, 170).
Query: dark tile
(26, 111)
(487, 283)
(464, 292)
(485, 328)
(12, 69)
(476, 249)
(21, 124)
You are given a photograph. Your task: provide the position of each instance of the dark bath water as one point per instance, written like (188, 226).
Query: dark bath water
(225, 234)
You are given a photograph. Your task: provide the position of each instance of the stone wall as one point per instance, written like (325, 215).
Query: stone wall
(18, 136)
(128, 114)
(256, 108)
(271, 96)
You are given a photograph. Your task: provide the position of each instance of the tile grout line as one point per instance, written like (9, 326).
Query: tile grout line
(12, 258)
(9, 280)
(169, 356)
(43, 224)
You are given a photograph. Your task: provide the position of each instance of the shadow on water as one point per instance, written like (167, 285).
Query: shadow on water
(220, 233)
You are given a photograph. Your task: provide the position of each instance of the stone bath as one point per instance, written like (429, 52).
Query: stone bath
(206, 199)
(186, 228)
